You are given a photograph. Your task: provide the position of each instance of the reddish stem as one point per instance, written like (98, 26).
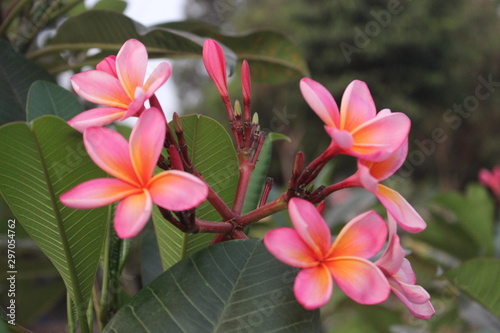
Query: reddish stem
(214, 227)
(258, 214)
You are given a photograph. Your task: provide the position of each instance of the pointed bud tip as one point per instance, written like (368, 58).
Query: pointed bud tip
(237, 108)
(255, 118)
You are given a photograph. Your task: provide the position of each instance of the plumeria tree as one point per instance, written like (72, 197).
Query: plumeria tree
(85, 186)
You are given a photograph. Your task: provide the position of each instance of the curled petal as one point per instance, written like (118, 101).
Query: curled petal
(313, 287)
(97, 193)
(341, 138)
(363, 237)
(177, 190)
(215, 64)
(369, 182)
(110, 151)
(423, 310)
(377, 139)
(404, 214)
(357, 106)
(320, 101)
(359, 279)
(95, 117)
(310, 226)
(146, 143)
(157, 78)
(386, 168)
(132, 214)
(137, 104)
(108, 65)
(287, 246)
(393, 257)
(131, 65)
(100, 88)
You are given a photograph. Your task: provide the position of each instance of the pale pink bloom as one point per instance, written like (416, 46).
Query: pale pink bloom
(491, 180)
(132, 164)
(118, 82)
(215, 64)
(357, 130)
(345, 262)
(401, 277)
(370, 174)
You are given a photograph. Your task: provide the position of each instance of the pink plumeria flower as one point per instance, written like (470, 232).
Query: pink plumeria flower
(401, 277)
(118, 82)
(369, 176)
(215, 64)
(491, 180)
(345, 262)
(132, 164)
(356, 130)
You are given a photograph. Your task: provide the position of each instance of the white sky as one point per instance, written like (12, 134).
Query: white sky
(150, 12)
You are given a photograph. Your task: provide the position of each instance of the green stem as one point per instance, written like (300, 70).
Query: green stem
(69, 310)
(103, 313)
(12, 15)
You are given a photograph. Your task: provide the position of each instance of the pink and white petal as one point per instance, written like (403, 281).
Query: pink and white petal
(378, 138)
(177, 190)
(414, 294)
(287, 246)
(108, 65)
(392, 259)
(310, 225)
(137, 105)
(404, 214)
(421, 311)
(341, 138)
(357, 106)
(100, 88)
(157, 78)
(363, 237)
(146, 142)
(365, 177)
(405, 274)
(359, 279)
(320, 101)
(313, 287)
(132, 214)
(384, 112)
(110, 151)
(131, 65)
(386, 168)
(97, 193)
(95, 117)
(215, 64)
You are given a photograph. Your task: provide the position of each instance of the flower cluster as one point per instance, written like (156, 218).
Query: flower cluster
(379, 141)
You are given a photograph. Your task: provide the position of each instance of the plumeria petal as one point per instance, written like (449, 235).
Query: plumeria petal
(357, 106)
(413, 293)
(100, 88)
(386, 168)
(132, 214)
(95, 117)
(313, 287)
(288, 247)
(369, 182)
(359, 279)
(422, 311)
(97, 193)
(404, 214)
(146, 142)
(108, 65)
(131, 65)
(320, 101)
(177, 190)
(215, 64)
(110, 151)
(363, 237)
(376, 139)
(246, 86)
(393, 257)
(310, 225)
(157, 78)
(341, 138)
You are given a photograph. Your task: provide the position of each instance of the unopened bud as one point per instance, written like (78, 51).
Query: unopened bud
(177, 123)
(255, 118)
(237, 109)
(298, 165)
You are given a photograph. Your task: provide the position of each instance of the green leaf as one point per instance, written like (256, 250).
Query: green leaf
(474, 212)
(478, 278)
(213, 155)
(235, 286)
(37, 165)
(273, 57)
(16, 76)
(85, 31)
(114, 5)
(45, 98)
(259, 174)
